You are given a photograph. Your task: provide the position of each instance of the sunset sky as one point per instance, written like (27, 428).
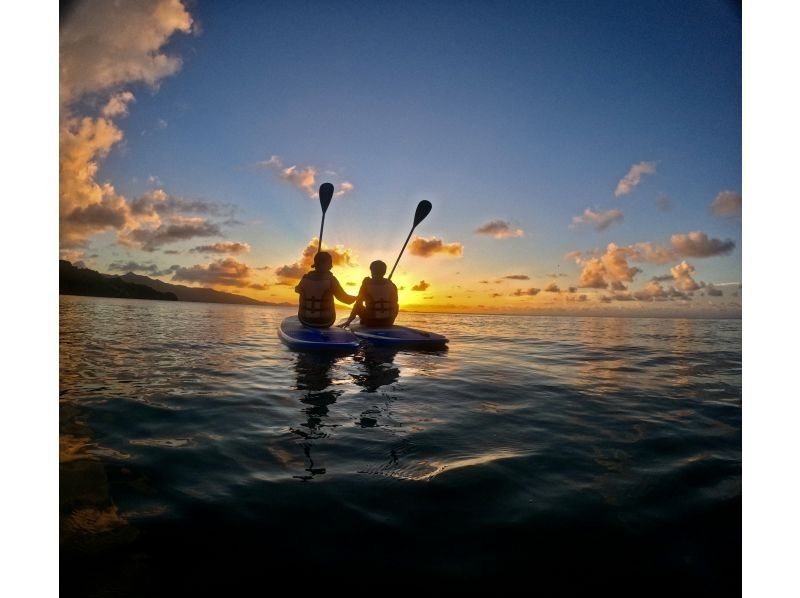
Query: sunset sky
(580, 157)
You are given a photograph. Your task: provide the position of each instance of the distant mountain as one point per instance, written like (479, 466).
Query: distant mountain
(185, 293)
(82, 281)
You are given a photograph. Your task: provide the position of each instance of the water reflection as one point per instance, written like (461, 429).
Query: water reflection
(314, 375)
(377, 368)
(90, 520)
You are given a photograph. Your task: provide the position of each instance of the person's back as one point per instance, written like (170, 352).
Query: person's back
(377, 303)
(380, 302)
(317, 290)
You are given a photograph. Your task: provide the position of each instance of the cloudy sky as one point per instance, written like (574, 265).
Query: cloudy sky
(579, 156)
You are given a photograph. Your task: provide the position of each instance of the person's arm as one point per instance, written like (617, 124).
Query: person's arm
(395, 302)
(341, 294)
(354, 311)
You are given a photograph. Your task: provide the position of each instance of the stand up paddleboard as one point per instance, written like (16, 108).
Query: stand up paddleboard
(399, 336)
(304, 338)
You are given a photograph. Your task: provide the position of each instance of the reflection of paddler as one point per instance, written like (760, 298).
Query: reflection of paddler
(317, 290)
(314, 376)
(379, 368)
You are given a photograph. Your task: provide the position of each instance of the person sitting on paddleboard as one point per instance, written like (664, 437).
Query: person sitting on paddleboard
(317, 290)
(376, 304)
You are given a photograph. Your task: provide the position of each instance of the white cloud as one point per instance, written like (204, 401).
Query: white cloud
(631, 180)
(303, 177)
(727, 204)
(599, 220)
(499, 229)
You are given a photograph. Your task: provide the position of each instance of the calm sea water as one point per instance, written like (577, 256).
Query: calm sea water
(198, 453)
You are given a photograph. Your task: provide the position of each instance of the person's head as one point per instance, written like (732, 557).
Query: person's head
(323, 261)
(378, 269)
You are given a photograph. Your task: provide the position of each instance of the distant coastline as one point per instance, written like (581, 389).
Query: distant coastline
(91, 283)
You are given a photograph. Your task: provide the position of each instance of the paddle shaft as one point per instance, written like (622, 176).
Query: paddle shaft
(321, 227)
(401, 251)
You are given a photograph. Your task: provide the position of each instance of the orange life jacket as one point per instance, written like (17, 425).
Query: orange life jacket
(316, 301)
(380, 304)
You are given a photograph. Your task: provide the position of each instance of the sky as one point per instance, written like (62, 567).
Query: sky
(580, 157)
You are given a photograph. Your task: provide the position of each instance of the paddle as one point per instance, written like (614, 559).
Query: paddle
(423, 209)
(325, 197)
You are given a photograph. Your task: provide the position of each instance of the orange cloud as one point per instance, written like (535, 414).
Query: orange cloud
(87, 207)
(103, 46)
(654, 291)
(647, 252)
(682, 274)
(611, 267)
(423, 247)
(339, 254)
(695, 244)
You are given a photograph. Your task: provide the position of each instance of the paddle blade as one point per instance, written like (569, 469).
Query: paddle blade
(423, 209)
(325, 196)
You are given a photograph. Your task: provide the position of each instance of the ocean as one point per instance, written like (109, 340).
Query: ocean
(568, 454)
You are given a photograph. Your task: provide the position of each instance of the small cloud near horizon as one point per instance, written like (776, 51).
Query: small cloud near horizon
(522, 292)
(422, 286)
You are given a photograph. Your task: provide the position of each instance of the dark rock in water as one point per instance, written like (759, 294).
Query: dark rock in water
(82, 281)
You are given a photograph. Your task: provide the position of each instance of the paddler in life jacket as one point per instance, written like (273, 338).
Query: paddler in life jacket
(317, 290)
(376, 304)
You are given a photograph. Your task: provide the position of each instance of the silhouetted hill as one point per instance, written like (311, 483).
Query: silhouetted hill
(82, 281)
(185, 293)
